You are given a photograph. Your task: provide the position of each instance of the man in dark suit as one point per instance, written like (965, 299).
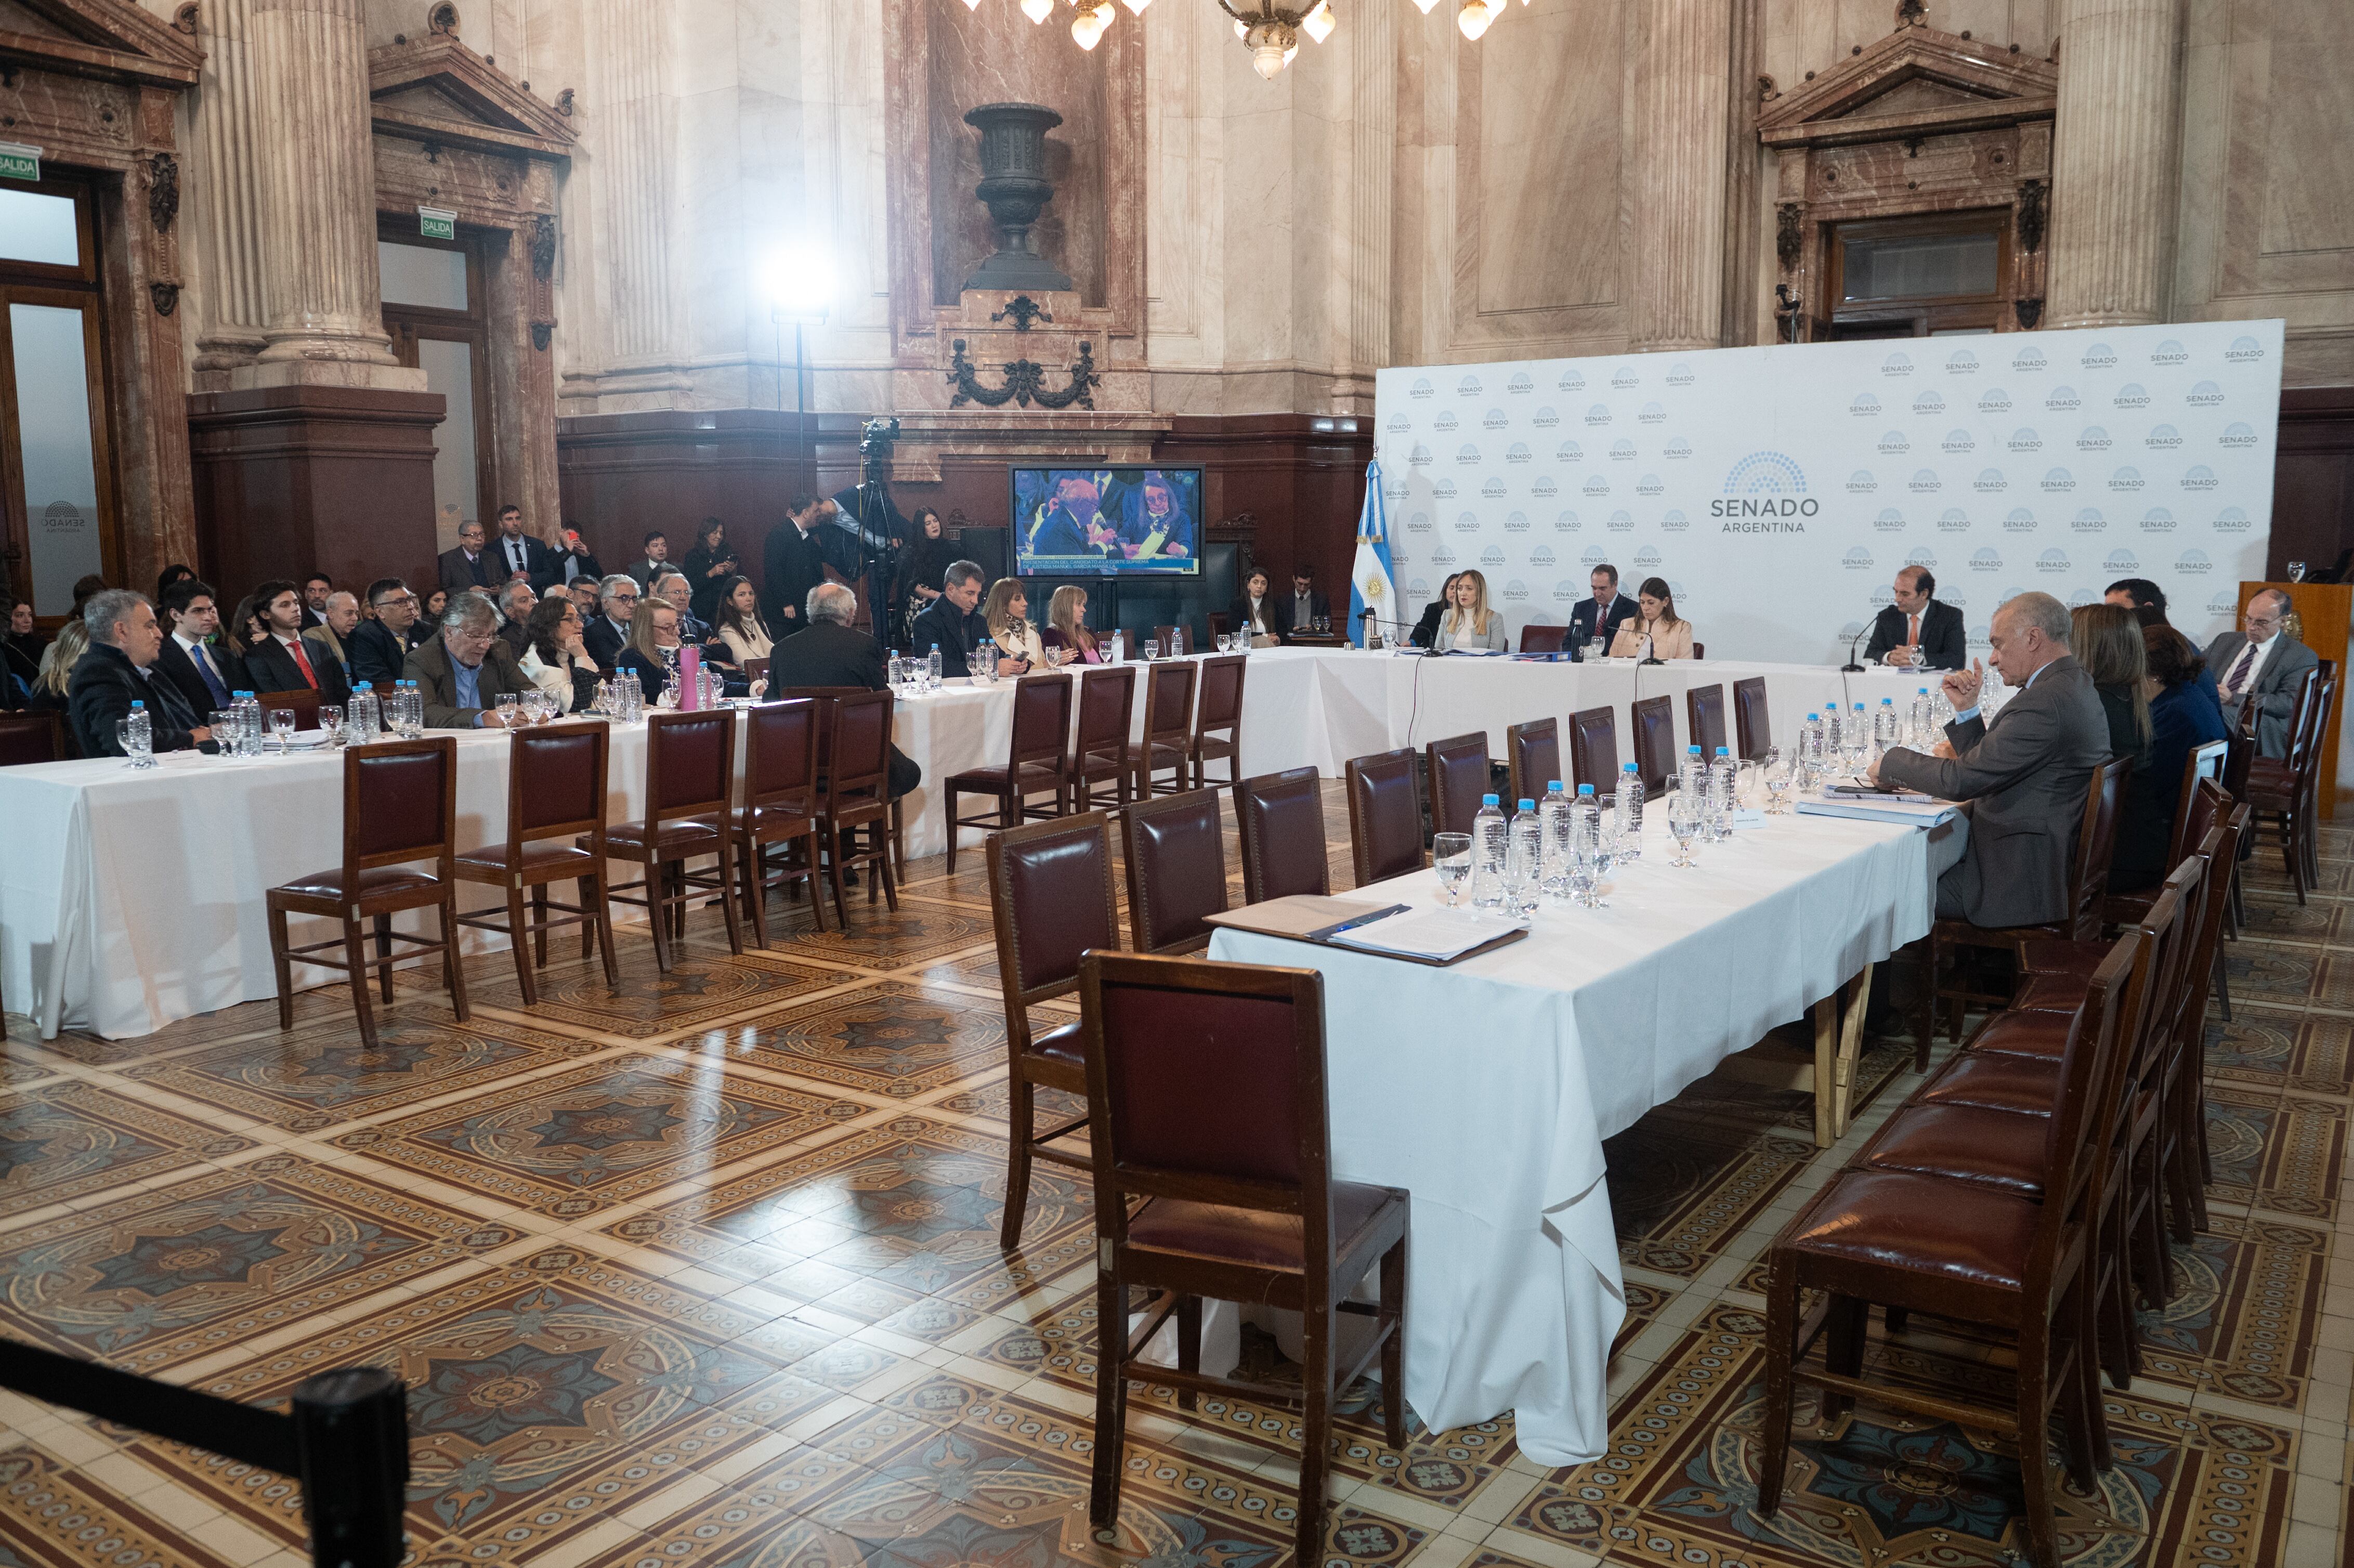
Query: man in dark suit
(516, 554)
(125, 639)
(463, 673)
(2262, 665)
(1074, 525)
(2022, 778)
(954, 624)
(657, 556)
(1602, 615)
(316, 590)
(1917, 632)
(516, 601)
(830, 652)
(1299, 611)
(579, 562)
(377, 649)
(467, 565)
(187, 659)
(605, 636)
(281, 662)
(794, 560)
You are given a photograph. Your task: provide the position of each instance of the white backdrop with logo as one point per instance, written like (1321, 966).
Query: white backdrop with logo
(1778, 489)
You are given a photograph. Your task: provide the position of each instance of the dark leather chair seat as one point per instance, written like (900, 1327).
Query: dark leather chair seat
(1995, 1081)
(384, 879)
(1065, 1045)
(2060, 956)
(757, 817)
(2051, 993)
(535, 857)
(2039, 1034)
(1965, 1143)
(1924, 1225)
(992, 777)
(685, 835)
(1255, 1237)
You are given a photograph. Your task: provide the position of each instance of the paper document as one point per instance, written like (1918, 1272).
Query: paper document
(1881, 809)
(1440, 934)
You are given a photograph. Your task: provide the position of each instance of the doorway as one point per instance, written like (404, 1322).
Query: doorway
(437, 317)
(56, 480)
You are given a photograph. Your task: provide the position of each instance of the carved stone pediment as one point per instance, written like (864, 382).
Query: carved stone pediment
(436, 89)
(111, 40)
(1915, 82)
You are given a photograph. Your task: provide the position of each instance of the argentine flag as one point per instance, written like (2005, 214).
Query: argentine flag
(1371, 585)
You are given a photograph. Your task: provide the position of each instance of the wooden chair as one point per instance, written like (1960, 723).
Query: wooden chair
(1218, 719)
(400, 806)
(1532, 757)
(1220, 623)
(1458, 779)
(1281, 818)
(2239, 761)
(31, 735)
(781, 786)
(825, 697)
(1166, 636)
(1036, 762)
(555, 790)
(1176, 870)
(756, 670)
(1594, 748)
(1168, 743)
(1384, 819)
(1655, 746)
(1102, 752)
(690, 786)
(854, 794)
(1752, 723)
(1993, 1258)
(1213, 1179)
(1699, 651)
(303, 701)
(1705, 718)
(1050, 896)
(1535, 638)
(2286, 790)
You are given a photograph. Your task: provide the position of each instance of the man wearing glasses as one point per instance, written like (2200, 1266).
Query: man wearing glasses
(2261, 665)
(609, 634)
(378, 647)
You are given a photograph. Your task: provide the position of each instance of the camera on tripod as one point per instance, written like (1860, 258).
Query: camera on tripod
(875, 440)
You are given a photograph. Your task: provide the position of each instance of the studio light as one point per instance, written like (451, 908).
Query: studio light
(799, 283)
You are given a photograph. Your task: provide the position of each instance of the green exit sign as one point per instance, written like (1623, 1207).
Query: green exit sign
(19, 162)
(436, 223)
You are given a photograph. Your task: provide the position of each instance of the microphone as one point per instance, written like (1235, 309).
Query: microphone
(1851, 667)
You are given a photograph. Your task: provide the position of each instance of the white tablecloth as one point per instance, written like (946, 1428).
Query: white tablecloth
(1486, 1089)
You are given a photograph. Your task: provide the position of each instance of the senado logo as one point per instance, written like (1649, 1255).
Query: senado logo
(1399, 556)
(1952, 520)
(1542, 487)
(2051, 561)
(1994, 400)
(2200, 478)
(1394, 489)
(1961, 362)
(1467, 523)
(2171, 352)
(1882, 597)
(1767, 486)
(1493, 555)
(1566, 523)
(1677, 449)
(1598, 415)
(1542, 556)
(1547, 418)
(1990, 482)
(1594, 555)
(1422, 388)
(1571, 381)
(1897, 364)
(1929, 403)
(1467, 387)
(1956, 600)
(1860, 482)
(2163, 438)
(2088, 521)
(1921, 558)
(2193, 563)
(1865, 407)
(1492, 489)
(1890, 521)
(1651, 484)
(1621, 523)
(1516, 591)
(2019, 520)
(1466, 455)
(2029, 360)
(1418, 523)
(1857, 559)
(1420, 455)
(2125, 480)
(2244, 351)
(1924, 481)
(1518, 452)
(1522, 382)
(2099, 357)
(1622, 451)
(1652, 414)
(1569, 451)
(1648, 557)
(1399, 425)
(1444, 490)
(2121, 561)
(2236, 434)
(1597, 486)
(1985, 558)
(1568, 592)
(2061, 399)
(2025, 439)
(2092, 439)
(2079, 598)
(1680, 373)
(2232, 520)
(1959, 442)
(1442, 556)
(1516, 523)
(1623, 377)
(1893, 444)
(2206, 394)
(2157, 520)
(2059, 482)
(1417, 587)
(1675, 522)
(1494, 420)
(2131, 395)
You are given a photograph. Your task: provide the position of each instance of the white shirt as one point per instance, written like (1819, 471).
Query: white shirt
(2257, 668)
(518, 557)
(202, 656)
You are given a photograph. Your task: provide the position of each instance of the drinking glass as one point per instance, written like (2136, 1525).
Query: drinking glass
(1594, 648)
(122, 739)
(507, 707)
(282, 727)
(1746, 780)
(1683, 821)
(1604, 855)
(1578, 872)
(1777, 782)
(331, 723)
(1152, 648)
(1451, 858)
(2297, 571)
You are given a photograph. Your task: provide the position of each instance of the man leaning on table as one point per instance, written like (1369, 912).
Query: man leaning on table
(1918, 632)
(2020, 777)
(2261, 664)
(464, 671)
(119, 670)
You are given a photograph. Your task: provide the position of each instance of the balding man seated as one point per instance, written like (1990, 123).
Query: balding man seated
(2260, 666)
(2022, 778)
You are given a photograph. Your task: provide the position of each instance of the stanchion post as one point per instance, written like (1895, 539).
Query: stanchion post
(351, 1427)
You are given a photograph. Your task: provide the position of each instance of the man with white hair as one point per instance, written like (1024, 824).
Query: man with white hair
(119, 670)
(463, 673)
(2022, 778)
(2264, 666)
(517, 599)
(339, 617)
(830, 652)
(609, 632)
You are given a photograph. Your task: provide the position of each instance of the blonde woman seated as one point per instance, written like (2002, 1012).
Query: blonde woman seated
(1014, 636)
(1066, 626)
(1469, 623)
(1671, 635)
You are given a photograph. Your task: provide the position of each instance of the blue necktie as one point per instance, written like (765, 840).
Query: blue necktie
(203, 660)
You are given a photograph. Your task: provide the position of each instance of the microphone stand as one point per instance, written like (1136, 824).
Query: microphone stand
(1851, 667)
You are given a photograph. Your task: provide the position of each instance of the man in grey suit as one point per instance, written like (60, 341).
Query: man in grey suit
(2022, 778)
(2262, 665)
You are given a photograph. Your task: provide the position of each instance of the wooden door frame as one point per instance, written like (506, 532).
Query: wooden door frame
(405, 324)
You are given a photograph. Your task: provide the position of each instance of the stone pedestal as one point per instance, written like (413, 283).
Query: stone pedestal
(2113, 163)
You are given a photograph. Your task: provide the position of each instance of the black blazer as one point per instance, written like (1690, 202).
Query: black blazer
(956, 632)
(829, 654)
(272, 669)
(1318, 604)
(1239, 616)
(1426, 630)
(604, 644)
(458, 573)
(105, 684)
(702, 589)
(790, 566)
(377, 654)
(543, 566)
(1944, 644)
(175, 665)
(1623, 609)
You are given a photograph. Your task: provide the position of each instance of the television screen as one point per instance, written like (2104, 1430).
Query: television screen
(1076, 522)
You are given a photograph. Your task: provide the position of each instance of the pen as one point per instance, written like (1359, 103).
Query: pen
(1365, 920)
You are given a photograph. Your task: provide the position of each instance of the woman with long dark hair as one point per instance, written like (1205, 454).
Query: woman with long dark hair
(1670, 634)
(2182, 716)
(709, 568)
(555, 657)
(929, 554)
(736, 622)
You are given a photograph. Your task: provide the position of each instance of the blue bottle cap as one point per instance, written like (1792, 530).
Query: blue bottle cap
(136, 705)
(1888, 701)
(1720, 751)
(1488, 800)
(1813, 716)
(1924, 691)
(1584, 789)
(1691, 751)
(364, 686)
(1623, 767)
(1552, 787)
(1528, 805)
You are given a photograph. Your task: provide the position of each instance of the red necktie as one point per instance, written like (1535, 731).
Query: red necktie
(294, 646)
(1912, 632)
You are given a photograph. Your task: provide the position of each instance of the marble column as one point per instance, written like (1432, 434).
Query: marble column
(222, 246)
(1373, 46)
(2113, 162)
(323, 315)
(1676, 298)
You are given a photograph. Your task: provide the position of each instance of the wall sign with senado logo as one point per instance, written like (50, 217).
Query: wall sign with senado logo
(1762, 481)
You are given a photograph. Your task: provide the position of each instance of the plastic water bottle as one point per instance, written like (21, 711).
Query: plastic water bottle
(366, 713)
(1923, 719)
(1692, 776)
(1832, 723)
(250, 721)
(932, 669)
(1523, 858)
(1887, 730)
(1723, 789)
(1858, 736)
(1491, 844)
(1552, 824)
(1630, 812)
(142, 741)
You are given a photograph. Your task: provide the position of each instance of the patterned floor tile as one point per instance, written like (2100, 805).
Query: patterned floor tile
(160, 1279)
(878, 940)
(67, 1140)
(576, 1142)
(52, 1514)
(2243, 1292)
(2283, 1153)
(2260, 1048)
(705, 983)
(889, 1039)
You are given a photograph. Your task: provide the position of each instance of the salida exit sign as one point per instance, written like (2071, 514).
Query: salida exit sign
(19, 162)
(436, 223)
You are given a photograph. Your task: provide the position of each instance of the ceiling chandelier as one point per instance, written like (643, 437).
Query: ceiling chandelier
(1269, 28)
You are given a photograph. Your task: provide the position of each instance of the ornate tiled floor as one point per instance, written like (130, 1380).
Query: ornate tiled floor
(706, 1272)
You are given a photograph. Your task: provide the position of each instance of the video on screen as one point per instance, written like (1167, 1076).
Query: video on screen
(1073, 522)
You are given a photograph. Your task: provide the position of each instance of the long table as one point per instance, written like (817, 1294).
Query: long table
(129, 900)
(1486, 1089)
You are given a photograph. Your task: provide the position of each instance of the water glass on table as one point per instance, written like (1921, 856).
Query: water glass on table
(1778, 774)
(331, 723)
(282, 727)
(1451, 858)
(1684, 815)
